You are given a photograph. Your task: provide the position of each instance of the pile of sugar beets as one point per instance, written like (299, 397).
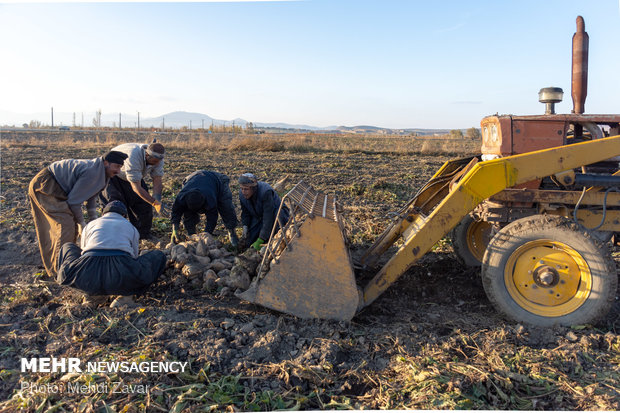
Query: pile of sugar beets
(203, 262)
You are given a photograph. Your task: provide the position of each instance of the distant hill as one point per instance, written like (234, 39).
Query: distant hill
(188, 119)
(181, 119)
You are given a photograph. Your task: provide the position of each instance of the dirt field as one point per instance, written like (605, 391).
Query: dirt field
(432, 341)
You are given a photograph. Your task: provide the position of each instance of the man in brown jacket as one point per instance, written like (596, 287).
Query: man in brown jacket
(56, 195)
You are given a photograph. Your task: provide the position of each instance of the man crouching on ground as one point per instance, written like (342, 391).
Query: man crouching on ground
(108, 262)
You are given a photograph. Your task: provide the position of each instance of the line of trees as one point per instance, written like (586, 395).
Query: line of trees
(96, 123)
(471, 133)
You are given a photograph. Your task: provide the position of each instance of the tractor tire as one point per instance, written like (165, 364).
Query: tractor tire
(470, 239)
(546, 270)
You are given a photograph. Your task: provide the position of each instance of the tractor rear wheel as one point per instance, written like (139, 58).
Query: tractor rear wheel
(470, 239)
(545, 270)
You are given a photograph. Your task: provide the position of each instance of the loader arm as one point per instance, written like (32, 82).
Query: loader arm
(482, 181)
(423, 202)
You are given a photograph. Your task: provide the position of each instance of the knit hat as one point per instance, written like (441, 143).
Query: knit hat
(115, 206)
(115, 157)
(194, 200)
(248, 179)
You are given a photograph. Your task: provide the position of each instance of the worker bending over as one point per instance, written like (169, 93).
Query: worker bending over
(56, 195)
(130, 188)
(259, 207)
(208, 193)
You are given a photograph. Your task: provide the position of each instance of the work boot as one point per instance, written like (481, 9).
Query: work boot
(123, 301)
(94, 300)
(152, 238)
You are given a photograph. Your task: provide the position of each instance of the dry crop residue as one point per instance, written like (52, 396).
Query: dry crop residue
(432, 341)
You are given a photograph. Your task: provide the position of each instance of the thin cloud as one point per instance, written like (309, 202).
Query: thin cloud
(450, 29)
(465, 17)
(467, 102)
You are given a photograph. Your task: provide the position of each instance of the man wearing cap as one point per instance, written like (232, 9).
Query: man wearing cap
(108, 262)
(259, 207)
(56, 195)
(208, 193)
(130, 188)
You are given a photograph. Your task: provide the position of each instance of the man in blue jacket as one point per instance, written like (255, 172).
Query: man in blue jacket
(208, 193)
(259, 207)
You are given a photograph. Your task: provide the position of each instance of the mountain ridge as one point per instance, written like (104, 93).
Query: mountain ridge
(193, 120)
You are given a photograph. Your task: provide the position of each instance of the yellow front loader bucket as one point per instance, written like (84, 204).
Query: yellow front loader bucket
(306, 270)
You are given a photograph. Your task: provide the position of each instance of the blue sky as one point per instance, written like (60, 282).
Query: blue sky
(400, 64)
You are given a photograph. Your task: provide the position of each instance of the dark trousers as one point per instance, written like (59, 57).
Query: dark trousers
(108, 275)
(256, 226)
(139, 211)
(254, 230)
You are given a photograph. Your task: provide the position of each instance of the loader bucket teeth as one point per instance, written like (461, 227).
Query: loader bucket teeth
(306, 269)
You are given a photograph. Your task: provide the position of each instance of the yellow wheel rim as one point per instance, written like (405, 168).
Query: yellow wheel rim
(478, 237)
(548, 278)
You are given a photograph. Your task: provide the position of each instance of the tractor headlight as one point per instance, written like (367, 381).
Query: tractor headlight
(494, 136)
(491, 139)
(490, 135)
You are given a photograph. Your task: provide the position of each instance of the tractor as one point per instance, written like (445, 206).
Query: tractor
(535, 211)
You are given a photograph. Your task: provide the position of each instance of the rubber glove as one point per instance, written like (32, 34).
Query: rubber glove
(258, 243)
(174, 239)
(157, 206)
(160, 208)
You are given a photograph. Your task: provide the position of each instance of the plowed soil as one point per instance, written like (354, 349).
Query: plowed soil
(432, 341)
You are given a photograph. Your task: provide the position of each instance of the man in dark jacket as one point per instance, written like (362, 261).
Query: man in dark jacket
(108, 262)
(259, 207)
(208, 193)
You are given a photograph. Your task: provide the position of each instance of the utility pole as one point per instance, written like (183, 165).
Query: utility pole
(82, 120)
(52, 116)
(163, 124)
(203, 124)
(120, 126)
(74, 119)
(190, 125)
(138, 120)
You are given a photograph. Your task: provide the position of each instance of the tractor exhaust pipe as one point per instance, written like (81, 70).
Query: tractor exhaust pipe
(579, 82)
